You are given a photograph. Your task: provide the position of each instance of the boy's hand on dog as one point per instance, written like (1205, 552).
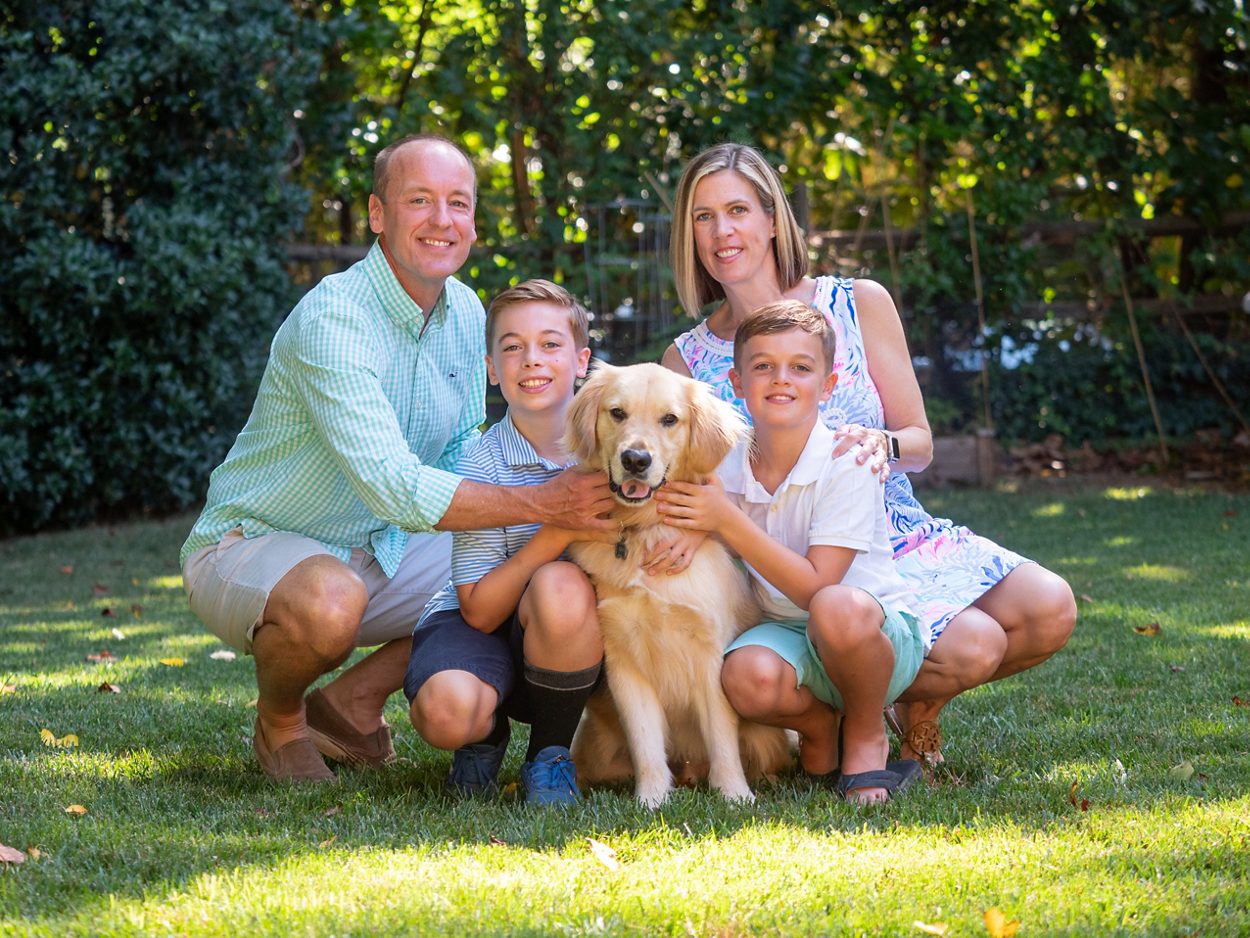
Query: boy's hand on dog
(693, 506)
(675, 555)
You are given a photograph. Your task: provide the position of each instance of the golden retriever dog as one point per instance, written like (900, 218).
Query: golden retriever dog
(664, 635)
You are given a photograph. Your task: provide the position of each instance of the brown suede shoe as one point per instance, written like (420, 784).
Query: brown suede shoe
(297, 761)
(337, 739)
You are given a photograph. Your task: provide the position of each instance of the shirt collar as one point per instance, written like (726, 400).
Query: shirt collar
(736, 475)
(518, 451)
(401, 307)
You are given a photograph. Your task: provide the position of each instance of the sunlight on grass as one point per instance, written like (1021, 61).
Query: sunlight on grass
(1239, 629)
(164, 582)
(1053, 510)
(1118, 494)
(1159, 572)
(1120, 541)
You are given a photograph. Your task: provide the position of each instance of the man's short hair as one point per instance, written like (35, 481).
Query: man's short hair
(382, 162)
(695, 286)
(783, 316)
(540, 291)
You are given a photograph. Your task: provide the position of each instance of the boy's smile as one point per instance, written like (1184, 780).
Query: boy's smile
(784, 378)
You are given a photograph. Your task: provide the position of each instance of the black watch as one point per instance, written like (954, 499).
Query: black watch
(892, 445)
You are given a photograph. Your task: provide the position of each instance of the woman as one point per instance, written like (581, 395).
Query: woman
(992, 612)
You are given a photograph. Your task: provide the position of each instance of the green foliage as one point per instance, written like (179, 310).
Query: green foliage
(145, 207)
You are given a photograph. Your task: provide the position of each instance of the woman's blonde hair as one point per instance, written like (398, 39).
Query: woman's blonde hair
(696, 288)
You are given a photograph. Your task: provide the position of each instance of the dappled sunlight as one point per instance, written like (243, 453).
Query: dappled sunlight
(1120, 541)
(1239, 629)
(1053, 510)
(165, 583)
(1158, 572)
(1120, 494)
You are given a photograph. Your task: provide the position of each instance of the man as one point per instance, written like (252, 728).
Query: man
(374, 388)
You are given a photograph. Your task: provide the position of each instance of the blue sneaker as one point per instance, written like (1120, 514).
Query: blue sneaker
(551, 778)
(475, 768)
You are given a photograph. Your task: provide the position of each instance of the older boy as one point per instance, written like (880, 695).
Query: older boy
(515, 632)
(838, 634)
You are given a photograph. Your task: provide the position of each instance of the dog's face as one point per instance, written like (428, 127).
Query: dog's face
(644, 425)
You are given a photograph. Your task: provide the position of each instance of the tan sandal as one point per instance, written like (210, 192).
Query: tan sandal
(925, 740)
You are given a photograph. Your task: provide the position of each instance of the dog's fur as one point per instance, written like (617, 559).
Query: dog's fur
(663, 636)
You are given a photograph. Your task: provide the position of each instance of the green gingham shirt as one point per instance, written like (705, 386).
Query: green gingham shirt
(359, 419)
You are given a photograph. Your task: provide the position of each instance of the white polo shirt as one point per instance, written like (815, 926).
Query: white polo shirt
(823, 501)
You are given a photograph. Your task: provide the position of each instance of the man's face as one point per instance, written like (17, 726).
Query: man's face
(425, 218)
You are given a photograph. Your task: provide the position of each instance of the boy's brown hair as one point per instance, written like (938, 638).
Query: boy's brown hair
(783, 316)
(540, 291)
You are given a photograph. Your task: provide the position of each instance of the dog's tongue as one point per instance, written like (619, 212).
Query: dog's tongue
(635, 489)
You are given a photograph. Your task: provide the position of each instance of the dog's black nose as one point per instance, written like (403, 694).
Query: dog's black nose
(635, 460)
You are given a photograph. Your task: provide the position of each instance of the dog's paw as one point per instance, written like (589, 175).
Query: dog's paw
(653, 793)
(738, 794)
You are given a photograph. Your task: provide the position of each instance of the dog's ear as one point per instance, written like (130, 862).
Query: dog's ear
(581, 437)
(715, 426)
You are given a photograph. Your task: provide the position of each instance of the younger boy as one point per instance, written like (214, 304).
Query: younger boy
(812, 530)
(515, 632)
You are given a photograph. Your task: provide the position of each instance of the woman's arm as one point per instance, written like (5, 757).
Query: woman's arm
(673, 361)
(890, 367)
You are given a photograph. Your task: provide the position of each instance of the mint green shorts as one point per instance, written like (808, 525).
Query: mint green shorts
(788, 640)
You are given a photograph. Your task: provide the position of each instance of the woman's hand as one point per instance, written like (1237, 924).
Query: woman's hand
(873, 444)
(675, 555)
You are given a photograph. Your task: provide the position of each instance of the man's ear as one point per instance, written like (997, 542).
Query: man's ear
(375, 214)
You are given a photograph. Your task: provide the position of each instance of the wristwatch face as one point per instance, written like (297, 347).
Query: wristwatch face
(893, 446)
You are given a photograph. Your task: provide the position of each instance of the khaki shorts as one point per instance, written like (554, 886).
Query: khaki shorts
(228, 583)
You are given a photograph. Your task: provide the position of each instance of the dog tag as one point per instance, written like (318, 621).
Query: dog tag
(621, 550)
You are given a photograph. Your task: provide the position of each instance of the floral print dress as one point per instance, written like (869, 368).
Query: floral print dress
(947, 566)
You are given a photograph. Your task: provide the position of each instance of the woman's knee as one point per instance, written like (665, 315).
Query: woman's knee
(972, 646)
(753, 679)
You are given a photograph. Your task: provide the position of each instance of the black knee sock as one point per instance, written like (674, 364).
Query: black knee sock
(556, 701)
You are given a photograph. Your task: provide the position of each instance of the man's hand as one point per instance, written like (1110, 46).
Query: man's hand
(576, 500)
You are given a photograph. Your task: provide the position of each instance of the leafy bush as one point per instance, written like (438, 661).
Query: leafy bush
(142, 226)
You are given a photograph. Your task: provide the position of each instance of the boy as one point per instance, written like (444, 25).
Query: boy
(837, 633)
(515, 632)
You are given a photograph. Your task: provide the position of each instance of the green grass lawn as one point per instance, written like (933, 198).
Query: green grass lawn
(183, 835)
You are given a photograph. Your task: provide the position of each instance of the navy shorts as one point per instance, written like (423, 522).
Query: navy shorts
(445, 642)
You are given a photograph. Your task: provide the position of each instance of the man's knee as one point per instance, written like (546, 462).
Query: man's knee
(754, 678)
(319, 605)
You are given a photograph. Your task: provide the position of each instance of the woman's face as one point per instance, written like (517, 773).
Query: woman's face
(733, 235)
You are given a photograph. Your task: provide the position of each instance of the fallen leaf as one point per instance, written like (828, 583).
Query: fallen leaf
(1120, 772)
(104, 655)
(99, 589)
(137, 611)
(1086, 598)
(174, 662)
(68, 741)
(332, 810)
(119, 634)
(106, 687)
(68, 568)
(69, 604)
(1237, 701)
(134, 581)
(509, 790)
(1083, 804)
(10, 855)
(1152, 629)
(8, 688)
(223, 654)
(937, 928)
(604, 854)
(251, 704)
(497, 842)
(997, 925)
(1182, 771)
(1175, 668)
(329, 840)
(34, 853)
(107, 611)
(76, 810)
(262, 812)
